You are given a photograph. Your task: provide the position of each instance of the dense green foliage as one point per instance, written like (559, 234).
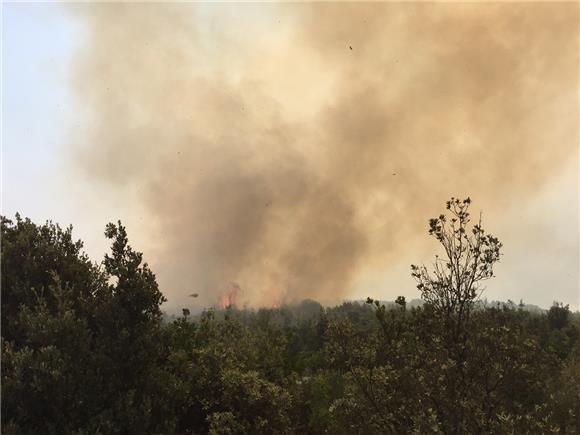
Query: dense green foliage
(85, 350)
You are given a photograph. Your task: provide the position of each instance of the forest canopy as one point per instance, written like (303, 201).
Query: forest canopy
(86, 350)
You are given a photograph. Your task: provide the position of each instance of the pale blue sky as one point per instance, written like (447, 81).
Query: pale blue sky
(38, 43)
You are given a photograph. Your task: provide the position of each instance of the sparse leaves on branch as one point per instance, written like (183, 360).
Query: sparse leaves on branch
(453, 283)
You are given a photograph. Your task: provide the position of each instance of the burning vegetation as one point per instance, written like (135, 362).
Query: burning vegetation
(231, 297)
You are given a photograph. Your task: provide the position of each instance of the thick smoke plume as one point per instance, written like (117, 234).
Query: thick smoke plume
(290, 149)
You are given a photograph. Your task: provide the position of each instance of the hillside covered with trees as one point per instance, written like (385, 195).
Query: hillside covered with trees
(86, 350)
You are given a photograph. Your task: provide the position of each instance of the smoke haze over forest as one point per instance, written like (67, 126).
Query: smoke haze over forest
(298, 150)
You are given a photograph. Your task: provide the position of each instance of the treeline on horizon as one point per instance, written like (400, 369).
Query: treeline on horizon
(297, 311)
(86, 350)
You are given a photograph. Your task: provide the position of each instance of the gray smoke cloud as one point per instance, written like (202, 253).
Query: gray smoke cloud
(293, 148)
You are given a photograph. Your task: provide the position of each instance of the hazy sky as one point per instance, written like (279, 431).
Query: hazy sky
(291, 147)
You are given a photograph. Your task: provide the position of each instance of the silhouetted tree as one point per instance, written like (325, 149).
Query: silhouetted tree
(559, 315)
(452, 286)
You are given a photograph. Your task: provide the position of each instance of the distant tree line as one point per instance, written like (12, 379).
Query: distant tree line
(85, 350)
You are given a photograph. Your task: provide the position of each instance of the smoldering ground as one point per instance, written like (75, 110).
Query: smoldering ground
(294, 148)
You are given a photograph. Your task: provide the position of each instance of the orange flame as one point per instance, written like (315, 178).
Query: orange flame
(230, 297)
(278, 303)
